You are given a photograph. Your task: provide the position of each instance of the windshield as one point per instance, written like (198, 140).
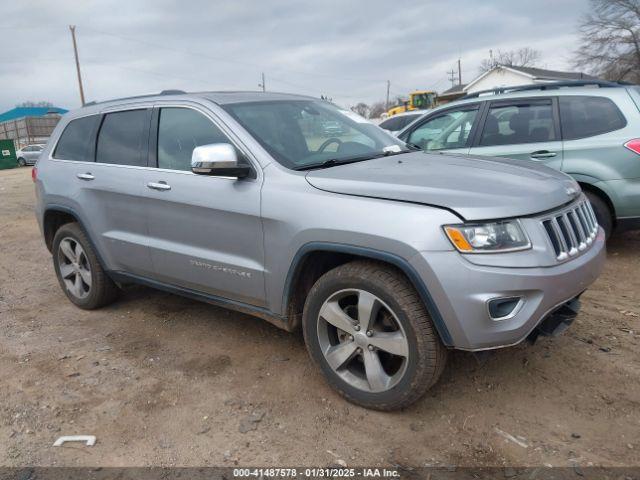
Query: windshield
(303, 133)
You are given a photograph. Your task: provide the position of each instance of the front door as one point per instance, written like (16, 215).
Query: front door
(524, 129)
(205, 232)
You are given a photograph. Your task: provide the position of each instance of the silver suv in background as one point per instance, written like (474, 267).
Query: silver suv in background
(587, 129)
(387, 258)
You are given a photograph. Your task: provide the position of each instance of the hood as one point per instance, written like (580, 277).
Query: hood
(476, 188)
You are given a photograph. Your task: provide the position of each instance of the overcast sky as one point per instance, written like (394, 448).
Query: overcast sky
(343, 49)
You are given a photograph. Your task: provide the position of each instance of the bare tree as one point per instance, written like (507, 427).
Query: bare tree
(610, 37)
(522, 57)
(361, 109)
(377, 109)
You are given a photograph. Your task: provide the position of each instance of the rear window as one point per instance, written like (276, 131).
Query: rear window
(76, 140)
(519, 122)
(582, 117)
(123, 138)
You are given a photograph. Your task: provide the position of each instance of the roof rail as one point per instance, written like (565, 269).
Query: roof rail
(88, 104)
(172, 92)
(545, 86)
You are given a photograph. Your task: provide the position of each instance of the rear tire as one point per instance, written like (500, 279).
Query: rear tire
(394, 357)
(78, 269)
(603, 213)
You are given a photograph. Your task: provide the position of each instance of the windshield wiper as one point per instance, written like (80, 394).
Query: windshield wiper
(327, 163)
(388, 153)
(413, 147)
(332, 162)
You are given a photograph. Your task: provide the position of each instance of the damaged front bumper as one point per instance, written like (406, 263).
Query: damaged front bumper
(557, 321)
(529, 299)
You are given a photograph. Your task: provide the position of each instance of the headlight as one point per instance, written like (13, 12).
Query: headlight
(505, 236)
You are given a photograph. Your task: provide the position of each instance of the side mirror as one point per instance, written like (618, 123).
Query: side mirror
(218, 159)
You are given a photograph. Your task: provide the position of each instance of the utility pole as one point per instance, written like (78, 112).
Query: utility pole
(388, 88)
(264, 88)
(75, 52)
(459, 73)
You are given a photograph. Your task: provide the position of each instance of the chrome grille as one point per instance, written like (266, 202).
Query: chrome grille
(572, 230)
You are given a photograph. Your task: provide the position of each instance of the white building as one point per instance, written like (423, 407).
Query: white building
(503, 76)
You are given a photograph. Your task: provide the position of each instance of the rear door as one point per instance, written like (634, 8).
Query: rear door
(112, 188)
(106, 194)
(521, 128)
(205, 232)
(451, 129)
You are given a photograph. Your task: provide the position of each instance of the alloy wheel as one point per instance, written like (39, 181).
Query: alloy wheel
(74, 267)
(362, 340)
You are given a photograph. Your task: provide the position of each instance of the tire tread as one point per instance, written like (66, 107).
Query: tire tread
(432, 354)
(105, 290)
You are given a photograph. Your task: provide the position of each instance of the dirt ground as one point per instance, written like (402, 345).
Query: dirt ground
(163, 380)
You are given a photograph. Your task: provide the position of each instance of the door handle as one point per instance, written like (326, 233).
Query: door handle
(85, 176)
(161, 185)
(542, 154)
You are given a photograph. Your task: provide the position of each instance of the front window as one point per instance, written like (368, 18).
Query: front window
(303, 134)
(445, 131)
(180, 131)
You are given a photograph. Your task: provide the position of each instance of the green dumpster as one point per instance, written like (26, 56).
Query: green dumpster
(8, 157)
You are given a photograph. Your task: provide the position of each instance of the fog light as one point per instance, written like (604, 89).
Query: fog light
(503, 308)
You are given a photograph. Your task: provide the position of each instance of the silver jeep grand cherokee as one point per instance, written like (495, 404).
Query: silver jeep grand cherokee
(386, 257)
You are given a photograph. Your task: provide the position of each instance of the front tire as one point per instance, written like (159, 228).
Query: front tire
(368, 330)
(22, 162)
(78, 269)
(603, 213)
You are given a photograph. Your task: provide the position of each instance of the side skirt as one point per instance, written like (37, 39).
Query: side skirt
(277, 320)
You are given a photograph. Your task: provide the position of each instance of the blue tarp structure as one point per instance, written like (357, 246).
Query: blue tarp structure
(21, 112)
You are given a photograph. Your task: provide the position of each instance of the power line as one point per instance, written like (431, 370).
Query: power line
(303, 88)
(452, 76)
(155, 74)
(228, 60)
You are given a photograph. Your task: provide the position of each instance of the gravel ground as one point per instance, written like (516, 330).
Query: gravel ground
(163, 380)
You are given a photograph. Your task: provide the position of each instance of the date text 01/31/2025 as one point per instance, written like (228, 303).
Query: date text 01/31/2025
(327, 472)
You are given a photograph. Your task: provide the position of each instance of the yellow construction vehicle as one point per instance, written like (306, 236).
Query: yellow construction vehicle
(418, 100)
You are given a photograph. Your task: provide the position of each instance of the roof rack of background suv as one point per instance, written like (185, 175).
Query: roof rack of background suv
(546, 86)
